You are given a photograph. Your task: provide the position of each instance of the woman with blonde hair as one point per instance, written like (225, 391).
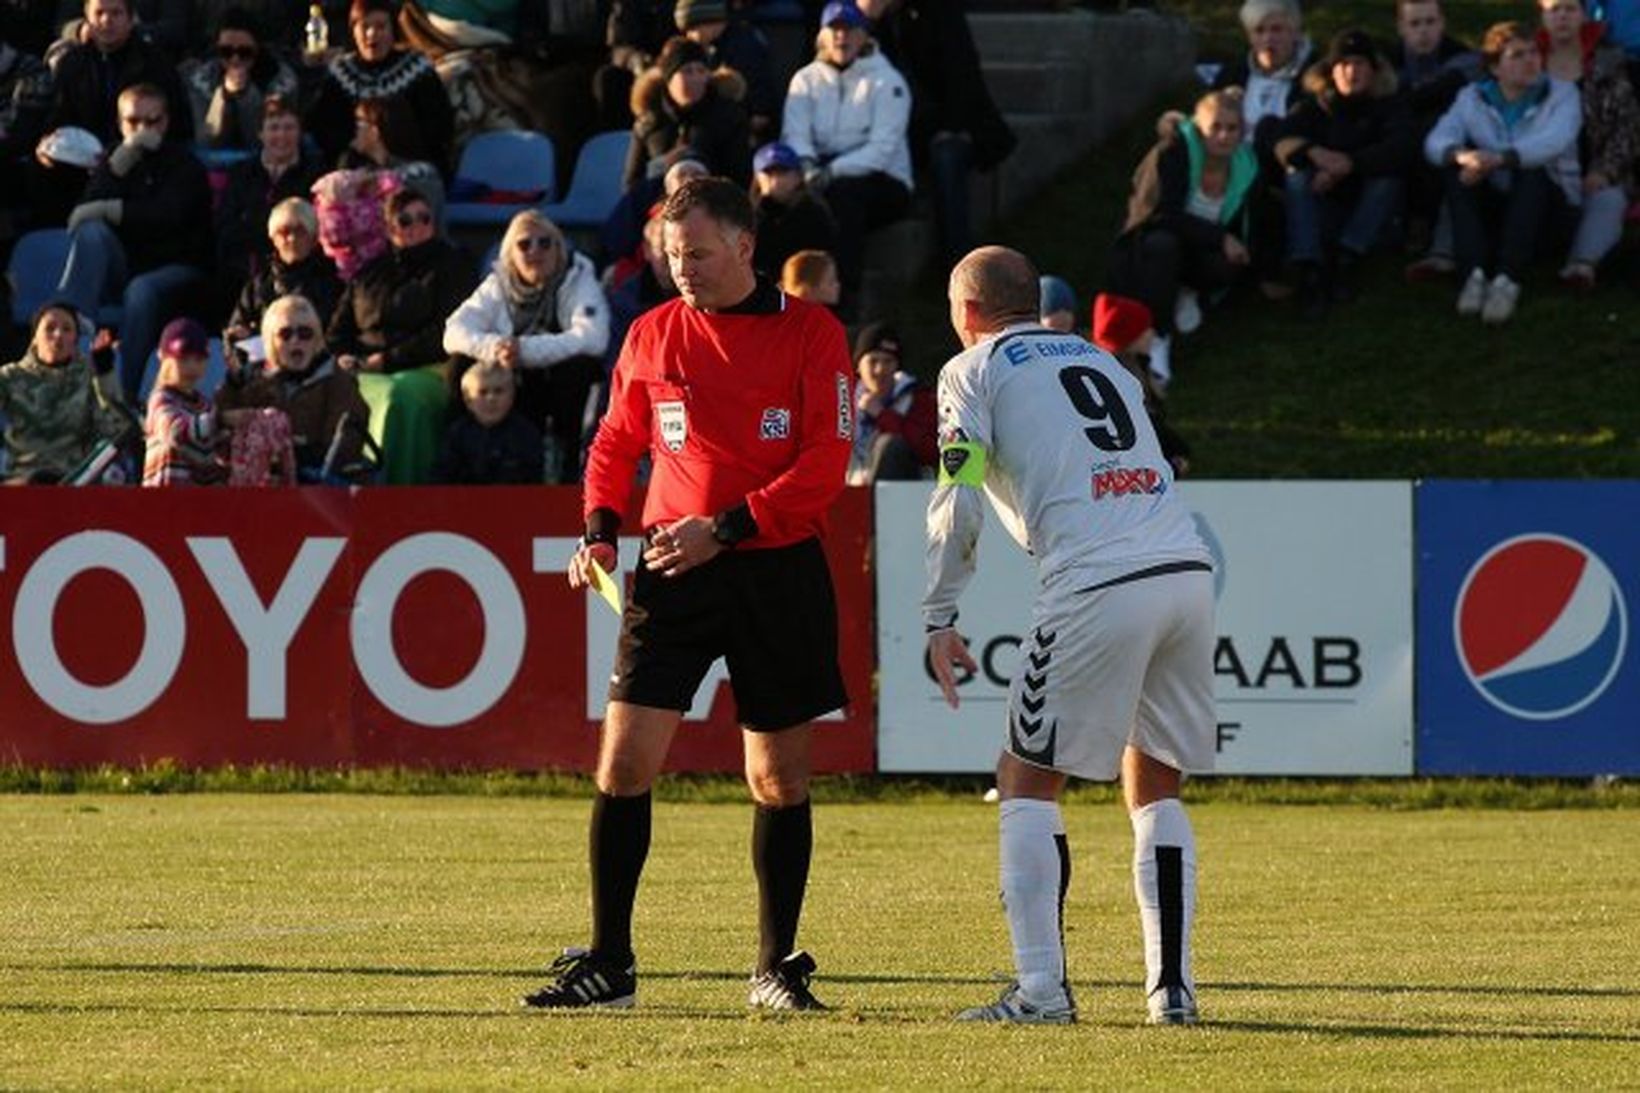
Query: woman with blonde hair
(1189, 218)
(541, 313)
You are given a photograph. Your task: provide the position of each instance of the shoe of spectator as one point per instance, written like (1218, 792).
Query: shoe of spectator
(1275, 291)
(1578, 275)
(1161, 362)
(1501, 296)
(1431, 267)
(1187, 312)
(1312, 294)
(1473, 295)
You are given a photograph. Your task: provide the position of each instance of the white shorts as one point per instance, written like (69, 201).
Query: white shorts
(1131, 663)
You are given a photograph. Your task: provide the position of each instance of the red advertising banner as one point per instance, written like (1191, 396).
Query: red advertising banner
(311, 627)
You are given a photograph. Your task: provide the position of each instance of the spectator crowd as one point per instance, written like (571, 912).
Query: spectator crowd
(257, 274)
(1303, 161)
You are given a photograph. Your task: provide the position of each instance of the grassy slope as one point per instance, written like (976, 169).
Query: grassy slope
(290, 942)
(1395, 386)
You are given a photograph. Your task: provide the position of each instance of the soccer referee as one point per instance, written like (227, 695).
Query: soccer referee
(741, 396)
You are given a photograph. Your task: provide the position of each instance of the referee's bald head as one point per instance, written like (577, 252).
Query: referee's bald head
(999, 284)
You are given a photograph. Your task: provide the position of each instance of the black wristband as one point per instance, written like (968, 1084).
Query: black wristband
(603, 525)
(734, 525)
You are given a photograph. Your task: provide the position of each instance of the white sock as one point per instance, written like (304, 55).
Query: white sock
(1035, 869)
(1164, 882)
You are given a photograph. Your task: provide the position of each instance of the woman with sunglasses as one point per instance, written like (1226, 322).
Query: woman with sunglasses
(389, 326)
(541, 313)
(226, 90)
(326, 412)
(297, 268)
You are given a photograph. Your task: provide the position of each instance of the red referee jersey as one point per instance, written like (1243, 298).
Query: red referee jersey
(753, 404)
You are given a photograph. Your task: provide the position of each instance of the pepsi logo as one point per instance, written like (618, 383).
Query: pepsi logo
(1540, 626)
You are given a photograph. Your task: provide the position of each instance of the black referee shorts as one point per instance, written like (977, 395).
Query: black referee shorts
(771, 614)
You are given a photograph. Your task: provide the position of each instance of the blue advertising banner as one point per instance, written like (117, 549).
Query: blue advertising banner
(1526, 659)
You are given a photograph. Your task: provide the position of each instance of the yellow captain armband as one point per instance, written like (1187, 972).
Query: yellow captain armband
(962, 464)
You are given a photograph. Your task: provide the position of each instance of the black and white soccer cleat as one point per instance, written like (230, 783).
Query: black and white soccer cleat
(785, 986)
(584, 979)
(1172, 1006)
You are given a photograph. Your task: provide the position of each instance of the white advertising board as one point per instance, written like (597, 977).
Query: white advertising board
(1313, 664)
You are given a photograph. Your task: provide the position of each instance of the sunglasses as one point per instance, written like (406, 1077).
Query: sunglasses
(149, 120)
(296, 333)
(412, 220)
(236, 53)
(543, 242)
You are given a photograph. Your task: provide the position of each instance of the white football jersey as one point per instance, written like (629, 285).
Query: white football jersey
(1070, 462)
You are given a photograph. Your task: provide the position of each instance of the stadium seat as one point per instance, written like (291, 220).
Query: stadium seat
(35, 267)
(500, 174)
(596, 185)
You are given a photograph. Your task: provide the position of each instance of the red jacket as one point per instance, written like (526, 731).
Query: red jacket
(752, 405)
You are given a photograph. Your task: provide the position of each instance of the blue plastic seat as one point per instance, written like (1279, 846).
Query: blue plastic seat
(35, 268)
(596, 185)
(515, 161)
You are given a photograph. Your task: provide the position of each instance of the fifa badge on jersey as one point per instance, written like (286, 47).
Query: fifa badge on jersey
(674, 424)
(845, 409)
(776, 424)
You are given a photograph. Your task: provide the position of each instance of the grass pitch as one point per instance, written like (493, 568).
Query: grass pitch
(297, 941)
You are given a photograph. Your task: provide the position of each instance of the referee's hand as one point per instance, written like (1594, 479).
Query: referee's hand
(681, 546)
(946, 651)
(580, 566)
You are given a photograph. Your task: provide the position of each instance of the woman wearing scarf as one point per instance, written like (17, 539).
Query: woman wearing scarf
(541, 313)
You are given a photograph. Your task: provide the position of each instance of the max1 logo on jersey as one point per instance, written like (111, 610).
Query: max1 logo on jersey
(1540, 626)
(1123, 481)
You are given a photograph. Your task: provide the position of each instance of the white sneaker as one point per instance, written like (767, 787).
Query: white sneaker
(1501, 296)
(1161, 361)
(1187, 312)
(1172, 1006)
(1473, 295)
(1014, 1008)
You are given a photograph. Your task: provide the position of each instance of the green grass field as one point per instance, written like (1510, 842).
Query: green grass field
(340, 941)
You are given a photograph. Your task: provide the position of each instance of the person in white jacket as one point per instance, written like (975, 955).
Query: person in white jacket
(1508, 147)
(847, 115)
(541, 313)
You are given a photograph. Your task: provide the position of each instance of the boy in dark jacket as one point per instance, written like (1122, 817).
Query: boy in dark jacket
(491, 444)
(1345, 150)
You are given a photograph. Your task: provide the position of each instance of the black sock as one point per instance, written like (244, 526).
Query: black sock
(782, 841)
(618, 845)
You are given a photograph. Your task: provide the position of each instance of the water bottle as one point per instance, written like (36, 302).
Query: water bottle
(317, 31)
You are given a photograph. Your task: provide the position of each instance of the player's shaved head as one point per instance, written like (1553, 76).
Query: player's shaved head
(1002, 284)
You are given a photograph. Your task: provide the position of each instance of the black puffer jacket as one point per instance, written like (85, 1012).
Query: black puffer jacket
(313, 277)
(1374, 129)
(163, 220)
(715, 130)
(398, 303)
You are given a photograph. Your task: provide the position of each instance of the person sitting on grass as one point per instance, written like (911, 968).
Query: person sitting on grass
(1188, 218)
(181, 430)
(492, 444)
(1345, 150)
(1574, 50)
(1058, 305)
(1122, 327)
(1509, 149)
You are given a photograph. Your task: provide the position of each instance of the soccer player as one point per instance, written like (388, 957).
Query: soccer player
(741, 396)
(1116, 673)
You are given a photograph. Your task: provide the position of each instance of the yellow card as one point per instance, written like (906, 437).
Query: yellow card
(607, 587)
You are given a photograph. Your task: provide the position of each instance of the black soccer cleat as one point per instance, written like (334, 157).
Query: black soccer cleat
(584, 980)
(785, 986)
